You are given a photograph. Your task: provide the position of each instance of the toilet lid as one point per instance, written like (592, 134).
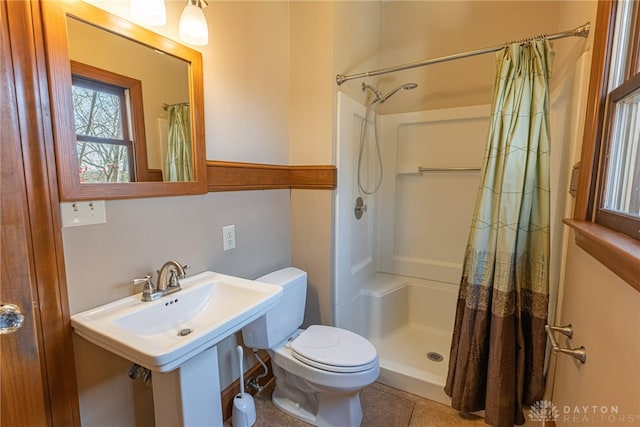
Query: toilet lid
(334, 349)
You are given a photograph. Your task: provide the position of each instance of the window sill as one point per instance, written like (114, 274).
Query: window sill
(618, 252)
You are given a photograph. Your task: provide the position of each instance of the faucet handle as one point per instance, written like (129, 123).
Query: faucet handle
(146, 279)
(185, 267)
(174, 279)
(148, 288)
(175, 275)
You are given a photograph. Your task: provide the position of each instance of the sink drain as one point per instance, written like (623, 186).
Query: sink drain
(185, 332)
(435, 357)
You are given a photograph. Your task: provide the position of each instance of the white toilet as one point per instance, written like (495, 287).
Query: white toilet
(320, 370)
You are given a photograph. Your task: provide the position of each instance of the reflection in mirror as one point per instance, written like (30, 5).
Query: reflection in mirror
(163, 79)
(127, 105)
(105, 108)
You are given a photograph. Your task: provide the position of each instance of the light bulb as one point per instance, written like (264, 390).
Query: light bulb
(193, 26)
(150, 12)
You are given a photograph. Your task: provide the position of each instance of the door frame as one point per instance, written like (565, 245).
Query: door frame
(50, 299)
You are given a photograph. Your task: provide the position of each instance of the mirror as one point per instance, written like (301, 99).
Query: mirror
(127, 107)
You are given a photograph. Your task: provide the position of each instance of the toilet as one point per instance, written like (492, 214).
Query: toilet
(320, 370)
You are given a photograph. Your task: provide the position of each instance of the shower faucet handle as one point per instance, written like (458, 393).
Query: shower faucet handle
(360, 208)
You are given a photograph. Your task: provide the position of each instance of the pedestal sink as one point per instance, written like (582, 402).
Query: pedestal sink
(176, 337)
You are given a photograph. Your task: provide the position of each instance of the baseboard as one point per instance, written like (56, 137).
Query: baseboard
(230, 392)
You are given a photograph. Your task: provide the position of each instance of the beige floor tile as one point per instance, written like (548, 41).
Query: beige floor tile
(428, 413)
(270, 416)
(382, 406)
(383, 409)
(432, 414)
(396, 392)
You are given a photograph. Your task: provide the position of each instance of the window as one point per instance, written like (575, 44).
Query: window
(618, 198)
(606, 216)
(105, 150)
(620, 193)
(109, 126)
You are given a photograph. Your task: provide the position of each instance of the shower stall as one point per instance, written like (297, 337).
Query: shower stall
(397, 268)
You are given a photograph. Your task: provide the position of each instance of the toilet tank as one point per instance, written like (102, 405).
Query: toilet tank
(285, 317)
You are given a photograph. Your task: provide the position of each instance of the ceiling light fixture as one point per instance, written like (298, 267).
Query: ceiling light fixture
(193, 25)
(150, 12)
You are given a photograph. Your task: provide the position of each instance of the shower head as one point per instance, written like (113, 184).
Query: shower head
(406, 86)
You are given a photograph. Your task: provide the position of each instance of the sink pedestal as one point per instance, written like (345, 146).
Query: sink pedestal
(189, 395)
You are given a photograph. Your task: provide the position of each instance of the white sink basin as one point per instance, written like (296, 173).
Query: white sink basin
(161, 335)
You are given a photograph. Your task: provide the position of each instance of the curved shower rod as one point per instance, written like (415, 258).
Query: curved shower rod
(581, 31)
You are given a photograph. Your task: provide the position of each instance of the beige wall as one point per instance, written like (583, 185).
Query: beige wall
(247, 81)
(605, 314)
(326, 38)
(310, 134)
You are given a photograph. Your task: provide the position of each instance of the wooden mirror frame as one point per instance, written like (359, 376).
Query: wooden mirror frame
(55, 15)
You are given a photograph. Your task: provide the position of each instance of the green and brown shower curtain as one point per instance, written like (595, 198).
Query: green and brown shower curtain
(178, 163)
(498, 347)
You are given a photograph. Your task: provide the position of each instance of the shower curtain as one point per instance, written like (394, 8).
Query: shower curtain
(178, 161)
(498, 347)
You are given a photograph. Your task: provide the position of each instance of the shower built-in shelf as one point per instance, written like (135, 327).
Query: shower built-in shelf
(420, 170)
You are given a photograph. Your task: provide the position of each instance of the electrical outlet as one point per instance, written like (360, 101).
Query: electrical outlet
(229, 237)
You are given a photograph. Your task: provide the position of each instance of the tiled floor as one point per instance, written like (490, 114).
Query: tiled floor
(383, 406)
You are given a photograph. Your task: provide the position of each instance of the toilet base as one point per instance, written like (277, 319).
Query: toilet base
(339, 409)
(294, 409)
(334, 409)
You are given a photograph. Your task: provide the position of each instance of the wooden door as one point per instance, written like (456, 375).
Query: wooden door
(37, 376)
(22, 384)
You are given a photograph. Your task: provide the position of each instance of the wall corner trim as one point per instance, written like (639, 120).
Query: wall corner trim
(238, 176)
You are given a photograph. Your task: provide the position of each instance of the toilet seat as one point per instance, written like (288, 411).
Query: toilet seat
(334, 349)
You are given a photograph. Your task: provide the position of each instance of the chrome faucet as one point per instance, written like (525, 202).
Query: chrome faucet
(169, 277)
(170, 274)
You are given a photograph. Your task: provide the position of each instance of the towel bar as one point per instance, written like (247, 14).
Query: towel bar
(421, 169)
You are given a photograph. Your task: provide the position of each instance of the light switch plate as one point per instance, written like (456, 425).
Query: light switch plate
(76, 214)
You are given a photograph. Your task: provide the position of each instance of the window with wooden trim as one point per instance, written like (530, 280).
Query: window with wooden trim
(105, 150)
(618, 195)
(606, 215)
(109, 125)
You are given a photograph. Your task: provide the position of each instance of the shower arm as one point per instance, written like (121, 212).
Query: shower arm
(581, 31)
